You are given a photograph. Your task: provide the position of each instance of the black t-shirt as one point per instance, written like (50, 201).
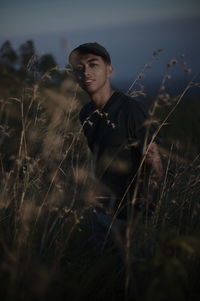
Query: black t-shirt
(115, 135)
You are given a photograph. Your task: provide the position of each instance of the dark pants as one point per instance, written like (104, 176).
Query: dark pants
(105, 230)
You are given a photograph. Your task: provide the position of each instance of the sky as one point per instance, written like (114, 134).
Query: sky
(40, 16)
(130, 29)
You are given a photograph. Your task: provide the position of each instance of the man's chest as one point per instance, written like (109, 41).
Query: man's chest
(107, 130)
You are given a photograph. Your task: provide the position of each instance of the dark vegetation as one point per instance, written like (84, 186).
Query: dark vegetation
(46, 195)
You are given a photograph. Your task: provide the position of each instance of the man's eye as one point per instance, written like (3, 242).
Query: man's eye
(79, 69)
(93, 65)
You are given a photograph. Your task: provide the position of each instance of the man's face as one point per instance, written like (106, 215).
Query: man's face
(91, 72)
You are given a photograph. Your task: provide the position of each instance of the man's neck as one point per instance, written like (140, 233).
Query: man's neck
(101, 98)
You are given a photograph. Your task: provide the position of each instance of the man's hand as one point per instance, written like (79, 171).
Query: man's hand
(154, 161)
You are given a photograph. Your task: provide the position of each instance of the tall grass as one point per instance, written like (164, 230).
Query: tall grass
(47, 196)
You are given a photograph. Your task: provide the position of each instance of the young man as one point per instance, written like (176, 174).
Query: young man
(114, 125)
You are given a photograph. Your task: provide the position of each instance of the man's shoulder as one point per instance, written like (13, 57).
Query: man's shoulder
(133, 105)
(86, 111)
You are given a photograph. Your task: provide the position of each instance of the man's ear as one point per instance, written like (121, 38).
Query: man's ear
(109, 70)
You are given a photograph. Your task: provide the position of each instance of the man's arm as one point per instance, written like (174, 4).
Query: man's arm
(153, 160)
(137, 130)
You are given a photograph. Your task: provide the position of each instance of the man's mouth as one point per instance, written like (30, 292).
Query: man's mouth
(88, 81)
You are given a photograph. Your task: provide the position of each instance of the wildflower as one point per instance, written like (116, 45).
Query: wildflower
(189, 70)
(147, 66)
(174, 62)
(140, 76)
(168, 76)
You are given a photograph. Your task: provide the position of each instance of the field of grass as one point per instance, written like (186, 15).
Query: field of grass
(47, 202)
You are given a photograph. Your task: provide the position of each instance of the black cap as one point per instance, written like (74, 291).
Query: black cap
(93, 48)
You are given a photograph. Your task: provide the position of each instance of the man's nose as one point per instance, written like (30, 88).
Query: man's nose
(86, 71)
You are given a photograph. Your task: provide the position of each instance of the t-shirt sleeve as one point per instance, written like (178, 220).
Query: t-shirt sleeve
(140, 127)
(84, 113)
